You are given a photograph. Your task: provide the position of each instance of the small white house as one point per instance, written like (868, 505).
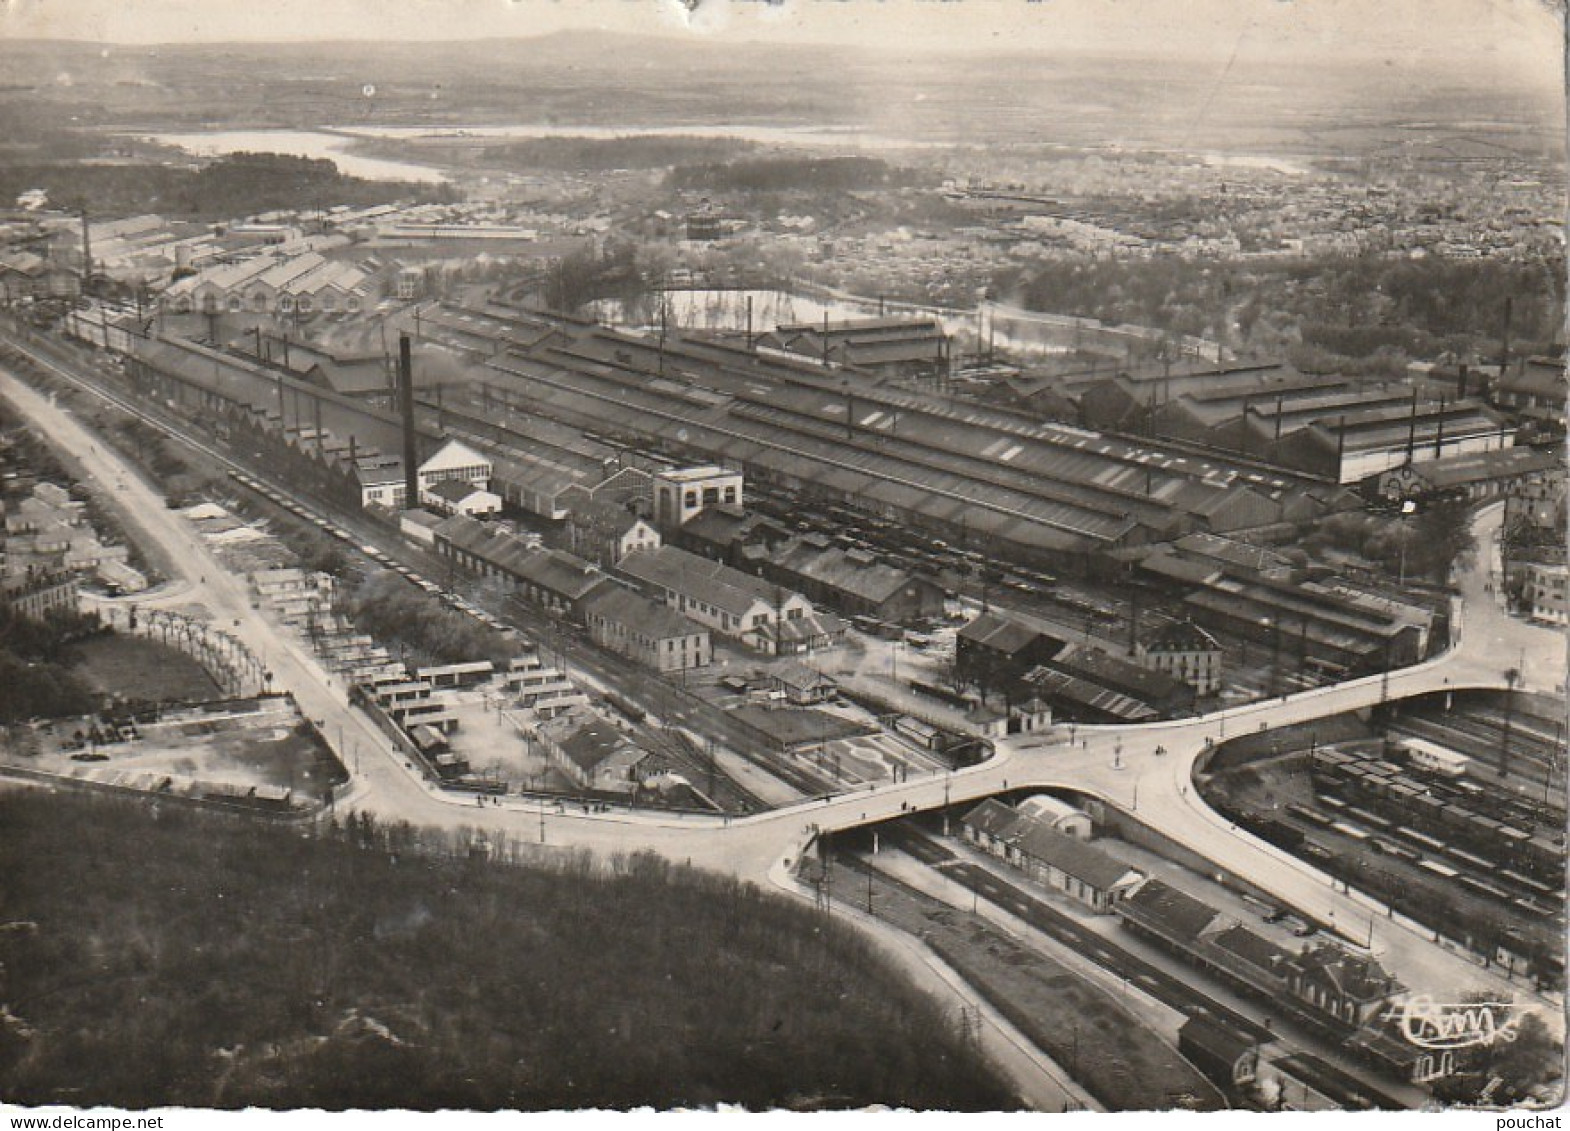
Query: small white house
(381, 483)
(419, 526)
(459, 496)
(1058, 814)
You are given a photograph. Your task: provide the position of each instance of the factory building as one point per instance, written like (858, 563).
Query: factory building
(1048, 493)
(682, 494)
(890, 348)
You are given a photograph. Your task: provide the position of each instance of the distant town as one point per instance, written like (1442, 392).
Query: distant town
(1133, 580)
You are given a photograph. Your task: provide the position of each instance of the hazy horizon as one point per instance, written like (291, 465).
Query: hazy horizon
(1516, 37)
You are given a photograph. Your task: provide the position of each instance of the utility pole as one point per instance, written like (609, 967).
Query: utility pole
(1512, 676)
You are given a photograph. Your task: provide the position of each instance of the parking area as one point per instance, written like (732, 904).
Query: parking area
(242, 743)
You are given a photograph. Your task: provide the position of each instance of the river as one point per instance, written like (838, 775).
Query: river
(826, 137)
(336, 144)
(337, 148)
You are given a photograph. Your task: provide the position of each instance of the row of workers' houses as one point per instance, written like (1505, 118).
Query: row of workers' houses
(673, 600)
(763, 615)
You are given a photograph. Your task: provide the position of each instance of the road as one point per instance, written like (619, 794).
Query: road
(1116, 764)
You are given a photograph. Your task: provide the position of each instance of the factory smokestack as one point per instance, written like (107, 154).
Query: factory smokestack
(411, 475)
(87, 251)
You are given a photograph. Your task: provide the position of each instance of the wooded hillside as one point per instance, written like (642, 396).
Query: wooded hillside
(157, 956)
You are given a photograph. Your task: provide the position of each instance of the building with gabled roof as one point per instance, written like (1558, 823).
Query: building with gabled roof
(1073, 866)
(1479, 475)
(1163, 693)
(1533, 389)
(605, 532)
(1049, 855)
(1158, 909)
(732, 603)
(381, 481)
(459, 496)
(993, 650)
(885, 347)
(852, 581)
(1349, 987)
(646, 631)
(990, 826)
(592, 753)
(801, 684)
(455, 460)
(1227, 1056)
(1081, 700)
(557, 580)
(1186, 652)
(731, 535)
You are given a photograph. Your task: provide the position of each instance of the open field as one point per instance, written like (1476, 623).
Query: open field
(1117, 1059)
(134, 667)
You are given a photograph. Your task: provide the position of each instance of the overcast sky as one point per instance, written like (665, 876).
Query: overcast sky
(1524, 33)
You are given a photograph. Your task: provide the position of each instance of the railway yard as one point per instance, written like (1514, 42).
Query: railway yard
(1474, 857)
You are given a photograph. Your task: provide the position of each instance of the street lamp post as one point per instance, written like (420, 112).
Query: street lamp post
(948, 778)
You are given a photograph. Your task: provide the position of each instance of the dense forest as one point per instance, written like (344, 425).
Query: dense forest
(1428, 546)
(36, 662)
(241, 184)
(168, 956)
(585, 275)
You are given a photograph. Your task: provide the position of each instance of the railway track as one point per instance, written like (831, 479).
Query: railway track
(665, 700)
(1152, 979)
